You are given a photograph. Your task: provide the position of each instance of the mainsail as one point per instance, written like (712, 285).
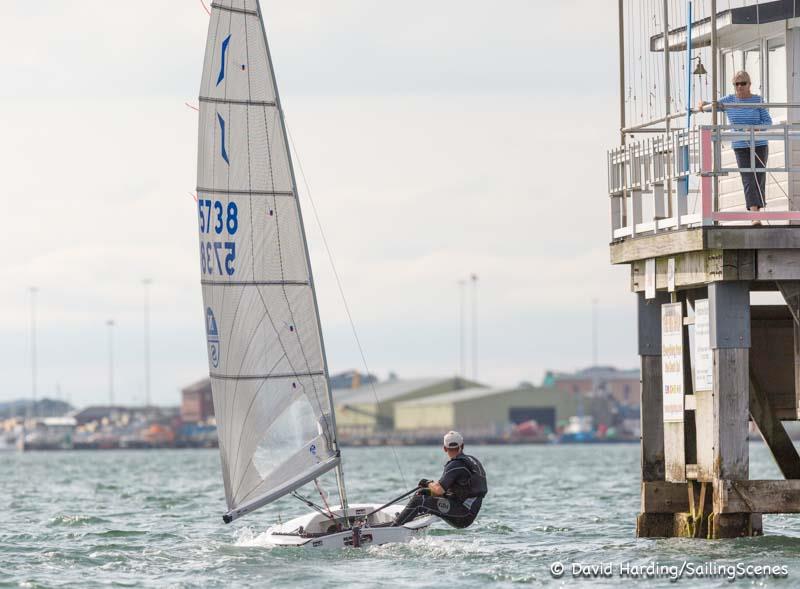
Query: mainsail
(265, 352)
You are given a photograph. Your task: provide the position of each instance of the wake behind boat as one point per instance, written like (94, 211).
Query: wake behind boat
(268, 369)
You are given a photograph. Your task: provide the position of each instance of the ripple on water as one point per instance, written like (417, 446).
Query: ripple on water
(154, 522)
(76, 520)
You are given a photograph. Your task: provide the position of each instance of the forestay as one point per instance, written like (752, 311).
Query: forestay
(265, 352)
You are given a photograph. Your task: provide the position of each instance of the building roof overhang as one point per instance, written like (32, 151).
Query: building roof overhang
(730, 23)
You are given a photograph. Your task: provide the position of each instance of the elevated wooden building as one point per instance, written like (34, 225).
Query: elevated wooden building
(713, 361)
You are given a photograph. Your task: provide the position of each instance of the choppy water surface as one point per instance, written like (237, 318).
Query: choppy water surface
(152, 518)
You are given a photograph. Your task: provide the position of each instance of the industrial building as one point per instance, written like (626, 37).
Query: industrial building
(622, 385)
(197, 404)
(370, 408)
(490, 412)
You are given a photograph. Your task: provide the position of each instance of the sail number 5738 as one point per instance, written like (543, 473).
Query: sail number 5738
(217, 257)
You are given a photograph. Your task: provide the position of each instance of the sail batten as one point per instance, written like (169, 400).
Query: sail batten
(266, 355)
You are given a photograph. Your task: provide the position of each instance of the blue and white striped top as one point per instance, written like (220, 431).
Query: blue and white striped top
(746, 116)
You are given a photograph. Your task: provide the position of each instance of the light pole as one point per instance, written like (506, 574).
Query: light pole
(110, 324)
(594, 332)
(462, 344)
(33, 290)
(474, 279)
(146, 283)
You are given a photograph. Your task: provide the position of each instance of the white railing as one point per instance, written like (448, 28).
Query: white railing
(671, 181)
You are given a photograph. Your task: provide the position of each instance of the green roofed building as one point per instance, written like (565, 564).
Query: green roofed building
(491, 412)
(370, 408)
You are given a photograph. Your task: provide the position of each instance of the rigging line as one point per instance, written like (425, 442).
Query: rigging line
(322, 496)
(312, 505)
(629, 115)
(339, 285)
(642, 62)
(205, 8)
(192, 106)
(650, 73)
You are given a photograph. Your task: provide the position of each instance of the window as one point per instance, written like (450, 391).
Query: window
(776, 76)
(752, 65)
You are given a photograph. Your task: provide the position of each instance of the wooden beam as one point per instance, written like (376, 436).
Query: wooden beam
(704, 426)
(734, 525)
(783, 265)
(757, 496)
(661, 244)
(751, 238)
(671, 243)
(691, 269)
(664, 497)
(773, 432)
(652, 420)
(731, 401)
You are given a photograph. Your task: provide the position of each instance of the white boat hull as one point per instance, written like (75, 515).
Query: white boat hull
(309, 531)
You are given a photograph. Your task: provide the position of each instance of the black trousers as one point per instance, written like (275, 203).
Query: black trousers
(754, 183)
(453, 511)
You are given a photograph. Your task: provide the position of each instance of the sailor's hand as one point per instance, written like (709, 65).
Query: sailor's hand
(423, 483)
(424, 492)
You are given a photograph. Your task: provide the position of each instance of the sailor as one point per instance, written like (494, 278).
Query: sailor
(457, 496)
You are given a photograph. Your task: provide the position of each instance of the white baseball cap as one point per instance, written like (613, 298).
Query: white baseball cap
(453, 440)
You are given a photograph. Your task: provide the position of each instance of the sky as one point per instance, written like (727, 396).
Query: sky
(438, 140)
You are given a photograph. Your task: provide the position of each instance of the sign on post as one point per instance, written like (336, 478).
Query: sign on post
(704, 364)
(672, 360)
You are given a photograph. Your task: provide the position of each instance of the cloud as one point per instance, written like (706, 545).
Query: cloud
(471, 140)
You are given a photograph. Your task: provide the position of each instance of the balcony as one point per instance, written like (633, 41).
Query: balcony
(687, 178)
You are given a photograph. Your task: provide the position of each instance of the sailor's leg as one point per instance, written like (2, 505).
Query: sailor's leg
(454, 512)
(424, 504)
(411, 510)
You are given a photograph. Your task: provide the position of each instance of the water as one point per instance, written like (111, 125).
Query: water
(152, 519)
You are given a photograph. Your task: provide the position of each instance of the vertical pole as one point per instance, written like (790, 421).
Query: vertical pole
(707, 168)
(146, 282)
(651, 404)
(34, 365)
(714, 94)
(668, 152)
(729, 308)
(594, 332)
(110, 324)
(462, 334)
(621, 29)
(683, 185)
(474, 279)
(622, 177)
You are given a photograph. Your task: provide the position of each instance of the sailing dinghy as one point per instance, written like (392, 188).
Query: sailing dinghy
(269, 373)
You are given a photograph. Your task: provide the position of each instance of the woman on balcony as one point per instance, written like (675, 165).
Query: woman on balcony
(754, 183)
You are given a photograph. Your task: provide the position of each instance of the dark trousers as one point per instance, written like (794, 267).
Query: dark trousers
(453, 511)
(755, 183)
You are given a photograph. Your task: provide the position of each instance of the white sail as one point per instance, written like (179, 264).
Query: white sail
(265, 351)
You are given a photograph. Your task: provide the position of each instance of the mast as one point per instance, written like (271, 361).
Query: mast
(339, 469)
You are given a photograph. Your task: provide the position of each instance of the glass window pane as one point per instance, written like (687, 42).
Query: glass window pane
(752, 65)
(776, 66)
(728, 69)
